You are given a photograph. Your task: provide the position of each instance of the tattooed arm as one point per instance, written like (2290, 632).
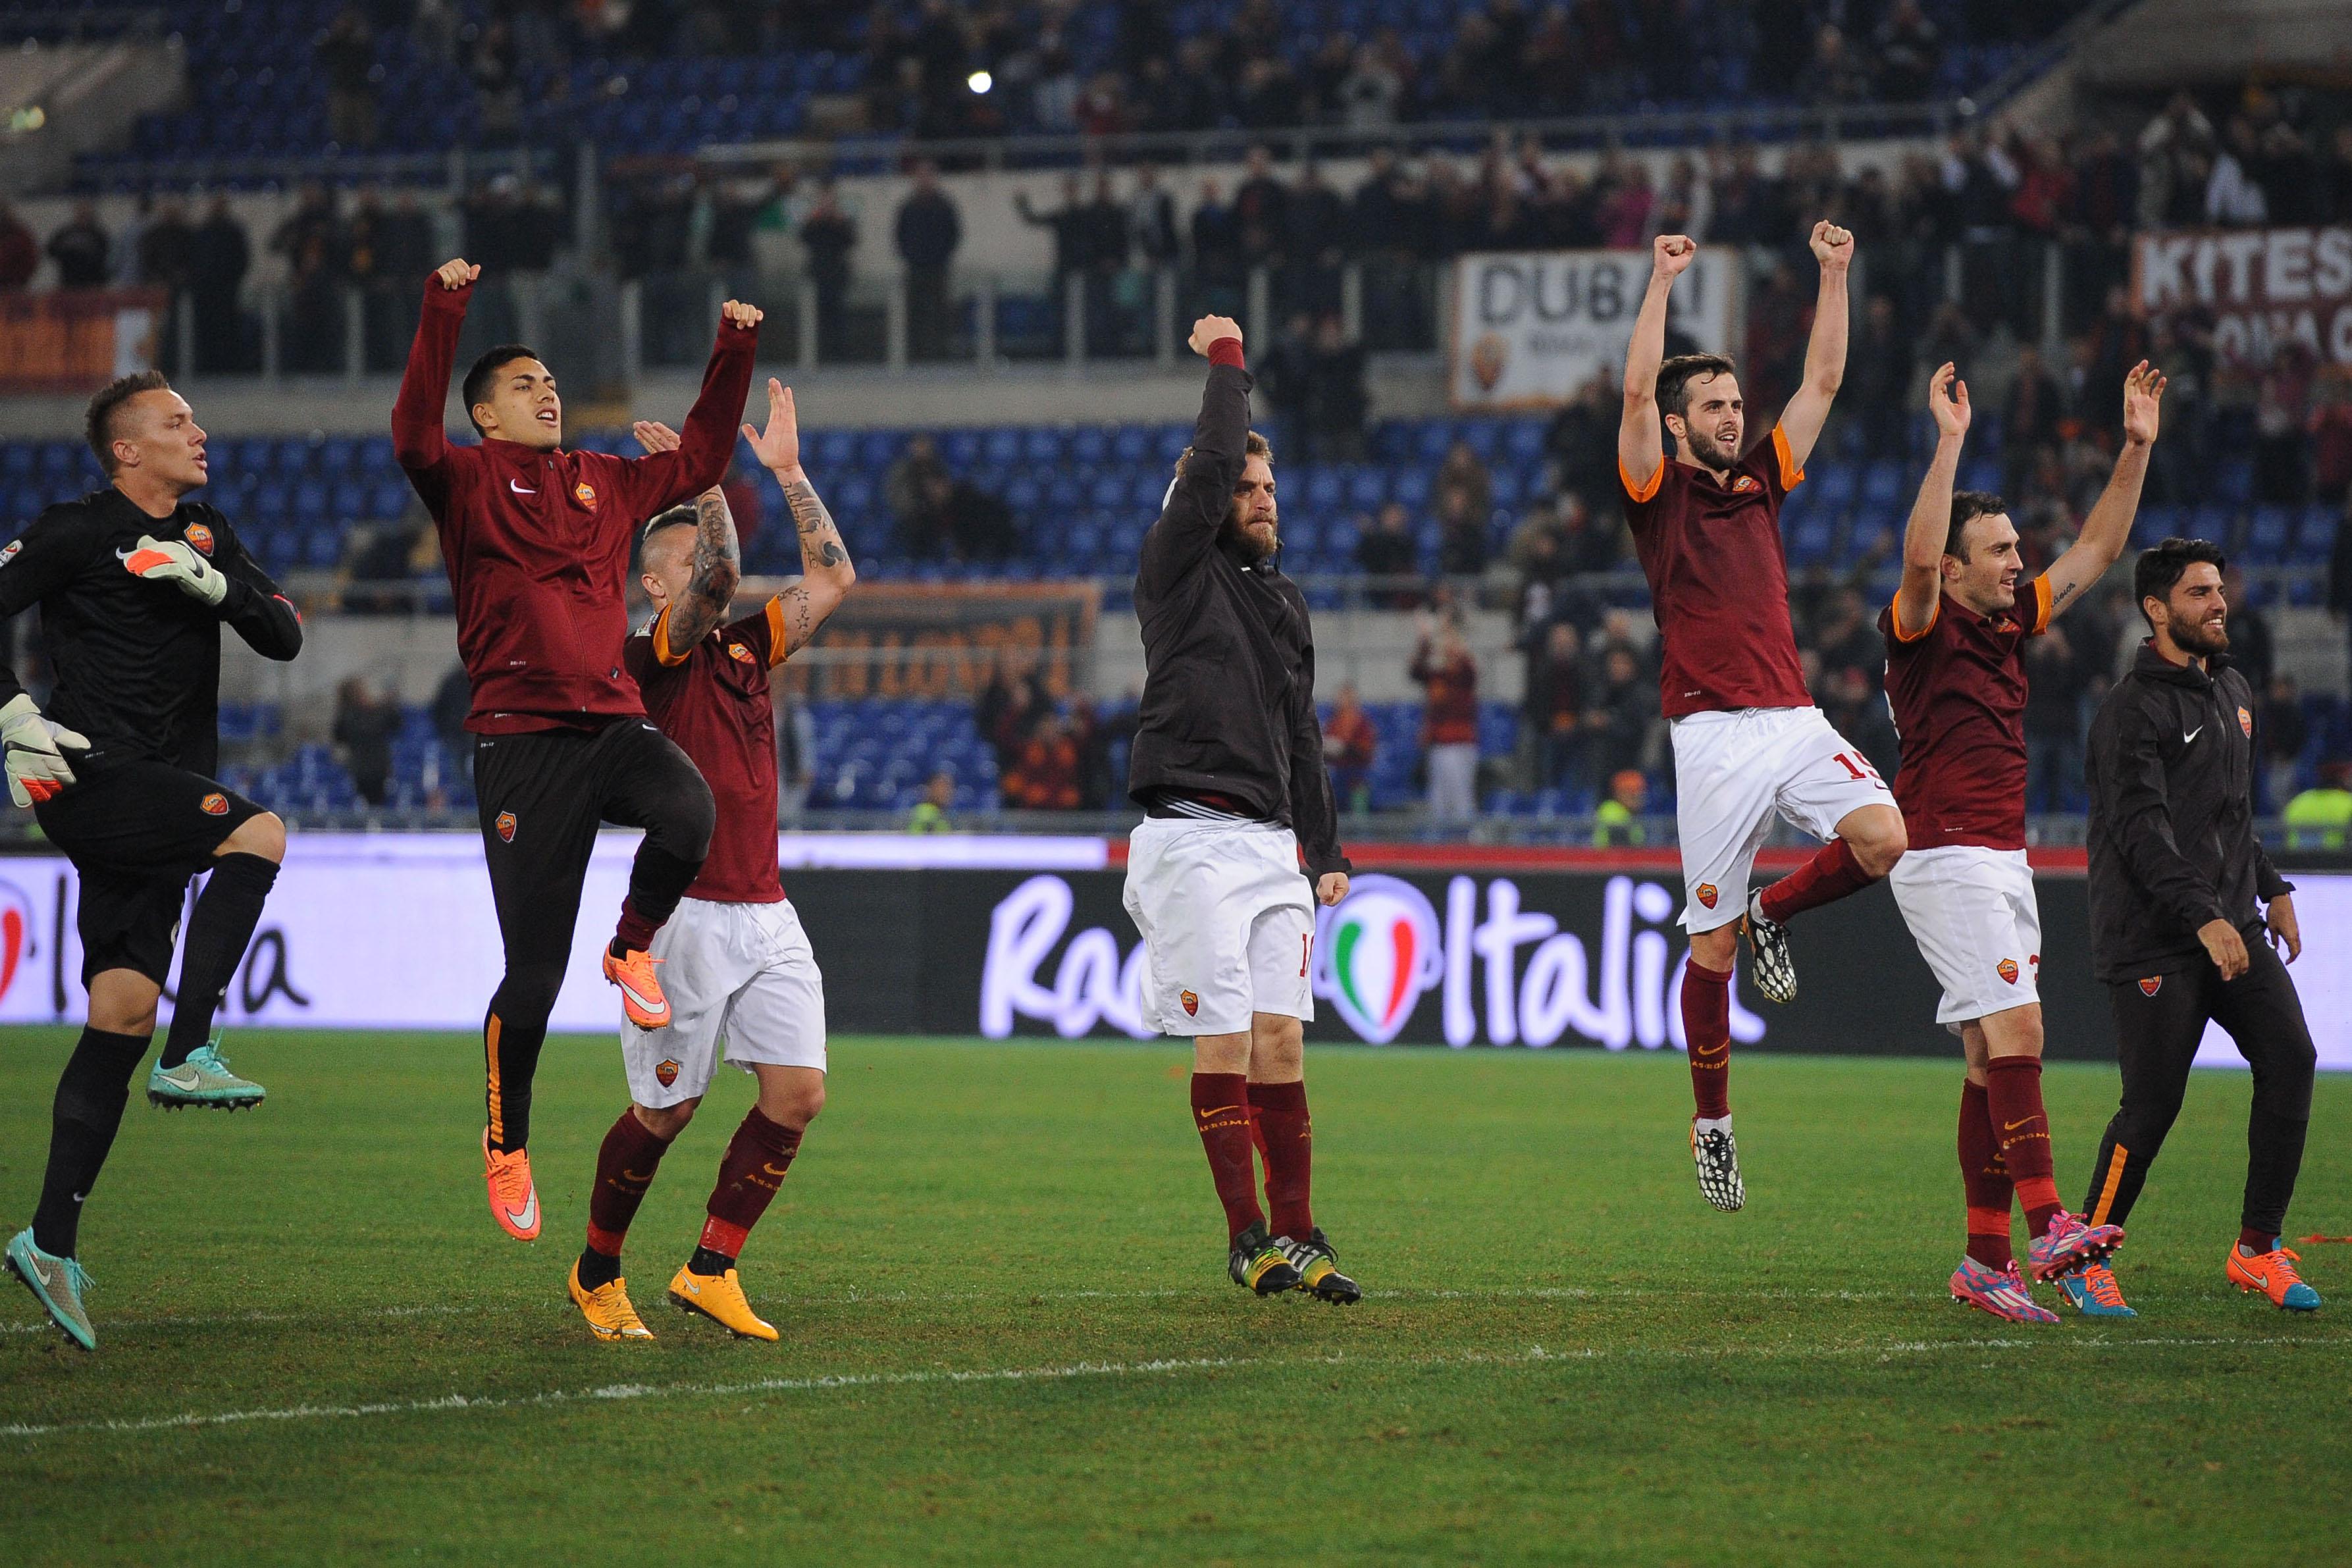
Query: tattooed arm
(826, 574)
(718, 567)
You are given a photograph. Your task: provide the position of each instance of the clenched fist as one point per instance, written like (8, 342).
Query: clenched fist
(1210, 330)
(743, 315)
(1832, 247)
(457, 274)
(1670, 254)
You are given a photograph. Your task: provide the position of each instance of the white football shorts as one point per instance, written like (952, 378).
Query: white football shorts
(1228, 924)
(1972, 912)
(743, 972)
(1733, 773)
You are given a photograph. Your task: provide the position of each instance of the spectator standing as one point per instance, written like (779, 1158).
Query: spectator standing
(451, 701)
(364, 727)
(906, 487)
(1461, 535)
(1338, 402)
(2058, 674)
(166, 247)
(827, 235)
(1350, 746)
(1389, 550)
(1151, 221)
(1071, 227)
(1616, 822)
(1552, 711)
(1617, 726)
(2319, 817)
(218, 262)
(928, 231)
(1447, 673)
(346, 53)
(2254, 649)
(20, 251)
(1465, 472)
(81, 249)
(2282, 732)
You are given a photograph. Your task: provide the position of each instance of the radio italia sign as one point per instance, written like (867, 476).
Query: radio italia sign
(1491, 970)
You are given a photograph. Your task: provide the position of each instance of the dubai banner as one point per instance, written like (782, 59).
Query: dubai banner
(1531, 327)
(77, 339)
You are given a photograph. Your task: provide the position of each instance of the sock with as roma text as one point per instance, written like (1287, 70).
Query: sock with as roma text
(625, 1165)
(2013, 1101)
(758, 1157)
(1828, 876)
(1221, 1107)
(1706, 1034)
(1990, 1194)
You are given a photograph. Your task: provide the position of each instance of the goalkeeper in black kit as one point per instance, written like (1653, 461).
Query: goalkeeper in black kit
(134, 583)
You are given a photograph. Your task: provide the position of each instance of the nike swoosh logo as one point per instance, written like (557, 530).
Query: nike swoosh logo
(2192, 734)
(519, 489)
(639, 998)
(181, 1078)
(771, 1171)
(1204, 1115)
(2013, 1126)
(526, 1216)
(628, 1175)
(121, 554)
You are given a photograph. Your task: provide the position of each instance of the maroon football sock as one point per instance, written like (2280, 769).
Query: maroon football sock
(1287, 1139)
(1707, 1031)
(1221, 1107)
(625, 1168)
(1828, 876)
(633, 932)
(1986, 1180)
(2013, 1099)
(758, 1156)
(2257, 1241)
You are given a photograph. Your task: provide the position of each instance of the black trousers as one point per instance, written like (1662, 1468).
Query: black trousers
(2159, 1020)
(542, 796)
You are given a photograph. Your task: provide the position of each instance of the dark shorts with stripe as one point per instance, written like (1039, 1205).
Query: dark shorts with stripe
(137, 833)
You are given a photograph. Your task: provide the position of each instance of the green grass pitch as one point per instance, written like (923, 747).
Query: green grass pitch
(1008, 1337)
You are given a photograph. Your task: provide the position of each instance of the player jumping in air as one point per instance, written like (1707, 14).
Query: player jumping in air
(536, 541)
(1228, 767)
(134, 583)
(1748, 743)
(740, 966)
(2176, 873)
(1956, 639)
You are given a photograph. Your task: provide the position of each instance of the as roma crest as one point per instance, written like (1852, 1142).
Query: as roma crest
(1704, 893)
(2007, 970)
(213, 804)
(665, 1072)
(2246, 722)
(585, 494)
(200, 537)
(1745, 482)
(741, 653)
(506, 826)
(2151, 986)
(1192, 1004)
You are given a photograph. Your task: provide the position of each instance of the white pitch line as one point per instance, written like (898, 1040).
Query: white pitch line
(1536, 1355)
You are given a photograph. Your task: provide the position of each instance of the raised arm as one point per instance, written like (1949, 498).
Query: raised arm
(718, 566)
(827, 574)
(1809, 407)
(2108, 528)
(662, 479)
(1931, 514)
(1640, 438)
(419, 440)
(1202, 497)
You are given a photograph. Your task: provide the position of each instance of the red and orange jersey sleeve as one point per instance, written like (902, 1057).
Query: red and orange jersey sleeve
(2042, 606)
(662, 655)
(1894, 617)
(780, 646)
(1647, 490)
(1791, 476)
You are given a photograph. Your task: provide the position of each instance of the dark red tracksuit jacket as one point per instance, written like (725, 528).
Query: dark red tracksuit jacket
(538, 544)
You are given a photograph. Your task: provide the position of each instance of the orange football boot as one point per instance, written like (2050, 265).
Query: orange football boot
(2273, 1274)
(514, 1198)
(641, 992)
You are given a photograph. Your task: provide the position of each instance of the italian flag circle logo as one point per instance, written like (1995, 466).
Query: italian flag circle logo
(1382, 949)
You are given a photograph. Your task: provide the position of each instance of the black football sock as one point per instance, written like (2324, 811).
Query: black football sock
(708, 1263)
(91, 1093)
(219, 933)
(597, 1268)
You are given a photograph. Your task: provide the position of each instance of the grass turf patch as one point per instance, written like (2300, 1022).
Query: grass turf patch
(999, 1273)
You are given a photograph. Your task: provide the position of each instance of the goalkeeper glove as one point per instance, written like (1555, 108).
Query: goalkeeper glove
(174, 561)
(37, 769)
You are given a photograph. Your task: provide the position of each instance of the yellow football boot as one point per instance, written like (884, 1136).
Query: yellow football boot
(720, 1298)
(610, 1316)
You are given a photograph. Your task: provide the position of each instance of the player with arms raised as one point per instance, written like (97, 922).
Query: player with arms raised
(536, 541)
(739, 964)
(1749, 742)
(1955, 638)
(1228, 767)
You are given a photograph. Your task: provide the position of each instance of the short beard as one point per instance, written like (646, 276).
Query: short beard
(1246, 543)
(1706, 452)
(2192, 639)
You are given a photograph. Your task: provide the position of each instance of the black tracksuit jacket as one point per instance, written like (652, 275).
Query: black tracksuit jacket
(1229, 658)
(2170, 771)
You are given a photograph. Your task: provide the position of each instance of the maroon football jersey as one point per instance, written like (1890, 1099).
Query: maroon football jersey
(715, 703)
(1956, 686)
(1720, 583)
